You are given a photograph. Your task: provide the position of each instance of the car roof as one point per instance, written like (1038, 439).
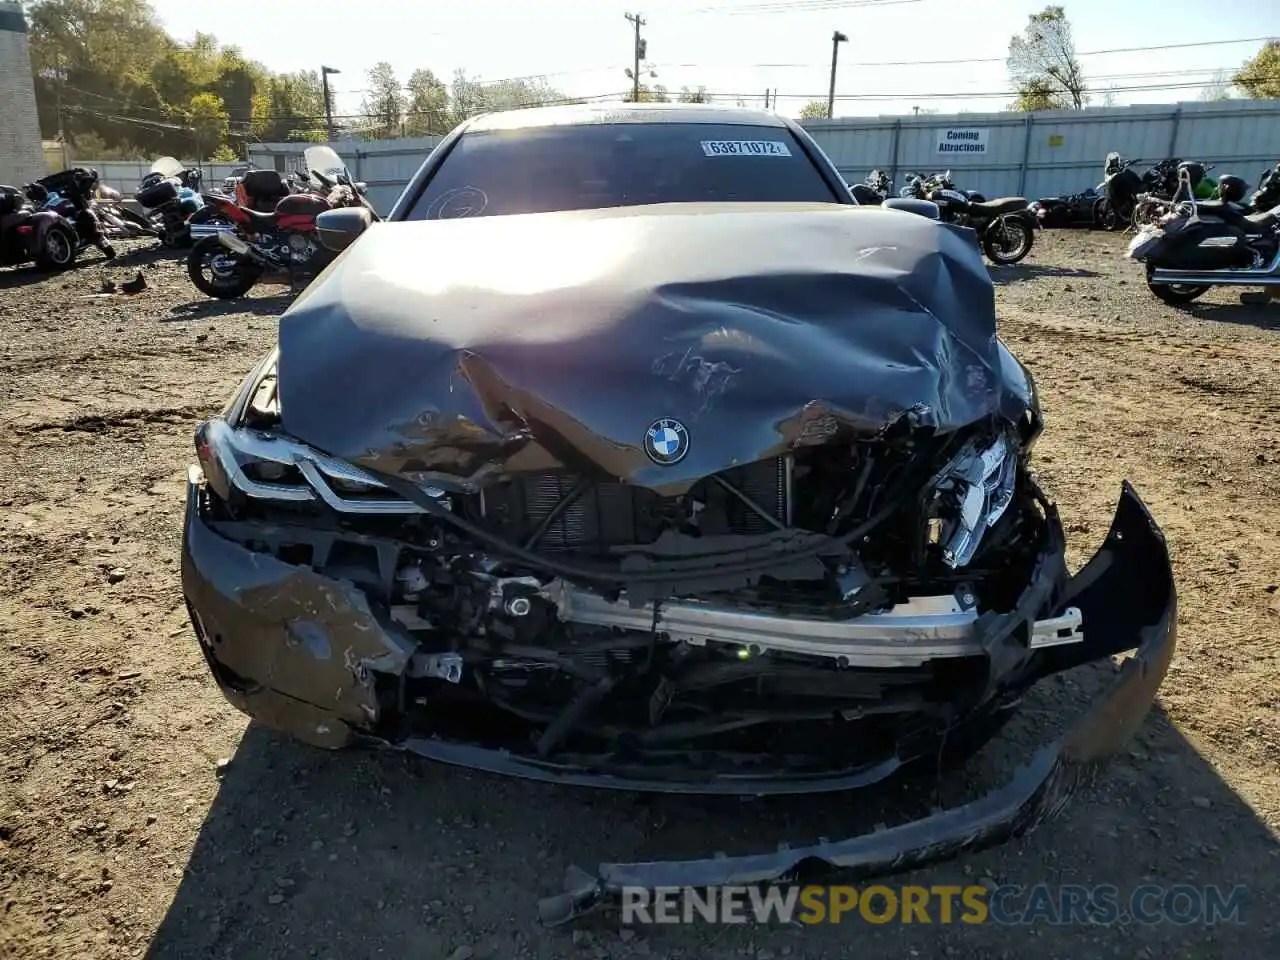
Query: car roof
(603, 113)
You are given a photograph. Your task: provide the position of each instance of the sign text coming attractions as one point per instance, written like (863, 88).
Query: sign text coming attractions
(960, 141)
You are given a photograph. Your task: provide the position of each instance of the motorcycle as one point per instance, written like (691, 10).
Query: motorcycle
(1131, 199)
(71, 194)
(118, 221)
(276, 246)
(1201, 244)
(1005, 227)
(170, 193)
(874, 190)
(1150, 207)
(1076, 210)
(1268, 193)
(919, 184)
(28, 235)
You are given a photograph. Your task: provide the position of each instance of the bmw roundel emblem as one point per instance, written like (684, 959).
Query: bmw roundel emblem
(666, 442)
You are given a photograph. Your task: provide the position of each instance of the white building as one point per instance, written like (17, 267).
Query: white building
(21, 154)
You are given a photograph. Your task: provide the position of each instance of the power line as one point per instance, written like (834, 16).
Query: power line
(963, 94)
(939, 63)
(799, 6)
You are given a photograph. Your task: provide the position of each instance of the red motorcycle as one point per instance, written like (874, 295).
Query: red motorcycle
(279, 246)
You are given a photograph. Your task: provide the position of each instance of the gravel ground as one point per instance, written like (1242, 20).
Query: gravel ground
(141, 815)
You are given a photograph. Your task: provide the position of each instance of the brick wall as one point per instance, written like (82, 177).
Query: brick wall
(21, 155)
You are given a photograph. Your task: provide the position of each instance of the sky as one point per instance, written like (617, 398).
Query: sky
(740, 48)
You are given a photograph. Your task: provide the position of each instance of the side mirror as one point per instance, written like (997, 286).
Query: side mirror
(922, 208)
(361, 187)
(338, 229)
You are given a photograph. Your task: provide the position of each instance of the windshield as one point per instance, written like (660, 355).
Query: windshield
(584, 167)
(324, 160)
(167, 167)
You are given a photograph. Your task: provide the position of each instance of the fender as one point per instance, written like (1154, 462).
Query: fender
(1024, 214)
(41, 223)
(227, 208)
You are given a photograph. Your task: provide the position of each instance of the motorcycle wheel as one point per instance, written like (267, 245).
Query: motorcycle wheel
(59, 250)
(1103, 216)
(219, 273)
(1007, 240)
(1174, 294)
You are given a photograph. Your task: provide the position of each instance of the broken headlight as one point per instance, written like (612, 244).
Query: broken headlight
(970, 494)
(252, 464)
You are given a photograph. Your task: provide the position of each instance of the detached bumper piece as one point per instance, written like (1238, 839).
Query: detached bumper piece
(1127, 598)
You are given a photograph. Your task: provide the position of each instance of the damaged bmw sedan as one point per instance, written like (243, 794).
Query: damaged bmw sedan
(630, 452)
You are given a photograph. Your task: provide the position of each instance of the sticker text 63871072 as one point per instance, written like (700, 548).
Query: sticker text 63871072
(745, 148)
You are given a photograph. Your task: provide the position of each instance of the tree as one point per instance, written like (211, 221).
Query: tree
(291, 106)
(523, 92)
(694, 96)
(655, 94)
(428, 108)
(466, 97)
(814, 110)
(1217, 89)
(383, 106)
(207, 116)
(1042, 61)
(1036, 95)
(1260, 76)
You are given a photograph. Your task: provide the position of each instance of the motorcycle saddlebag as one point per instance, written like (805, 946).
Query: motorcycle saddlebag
(1182, 250)
(158, 194)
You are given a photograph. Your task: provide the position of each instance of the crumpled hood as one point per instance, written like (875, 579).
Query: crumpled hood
(495, 346)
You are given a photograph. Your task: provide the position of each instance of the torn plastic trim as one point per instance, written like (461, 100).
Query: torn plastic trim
(1132, 602)
(292, 648)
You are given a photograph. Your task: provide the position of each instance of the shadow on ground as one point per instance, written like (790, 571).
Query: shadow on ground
(350, 855)
(1029, 271)
(17, 277)
(209, 307)
(1265, 316)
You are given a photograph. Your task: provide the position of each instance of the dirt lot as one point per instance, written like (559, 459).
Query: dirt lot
(124, 833)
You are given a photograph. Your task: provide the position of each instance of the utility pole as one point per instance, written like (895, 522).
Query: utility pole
(328, 101)
(637, 54)
(837, 38)
(62, 134)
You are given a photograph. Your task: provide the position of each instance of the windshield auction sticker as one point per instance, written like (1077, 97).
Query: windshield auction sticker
(745, 148)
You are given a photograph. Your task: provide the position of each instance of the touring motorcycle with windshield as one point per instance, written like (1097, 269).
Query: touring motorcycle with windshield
(170, 193)
(1202, 244)
(280, 245)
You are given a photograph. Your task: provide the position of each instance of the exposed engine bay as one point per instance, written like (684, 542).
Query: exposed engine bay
(812, 613)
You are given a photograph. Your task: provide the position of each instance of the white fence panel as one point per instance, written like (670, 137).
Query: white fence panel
(1056, 151)
(1001, 154)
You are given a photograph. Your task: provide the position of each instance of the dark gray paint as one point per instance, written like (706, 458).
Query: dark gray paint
(469, 348)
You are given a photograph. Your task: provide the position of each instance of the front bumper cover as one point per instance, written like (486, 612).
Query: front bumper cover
(1127, 595)
(298, 651)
